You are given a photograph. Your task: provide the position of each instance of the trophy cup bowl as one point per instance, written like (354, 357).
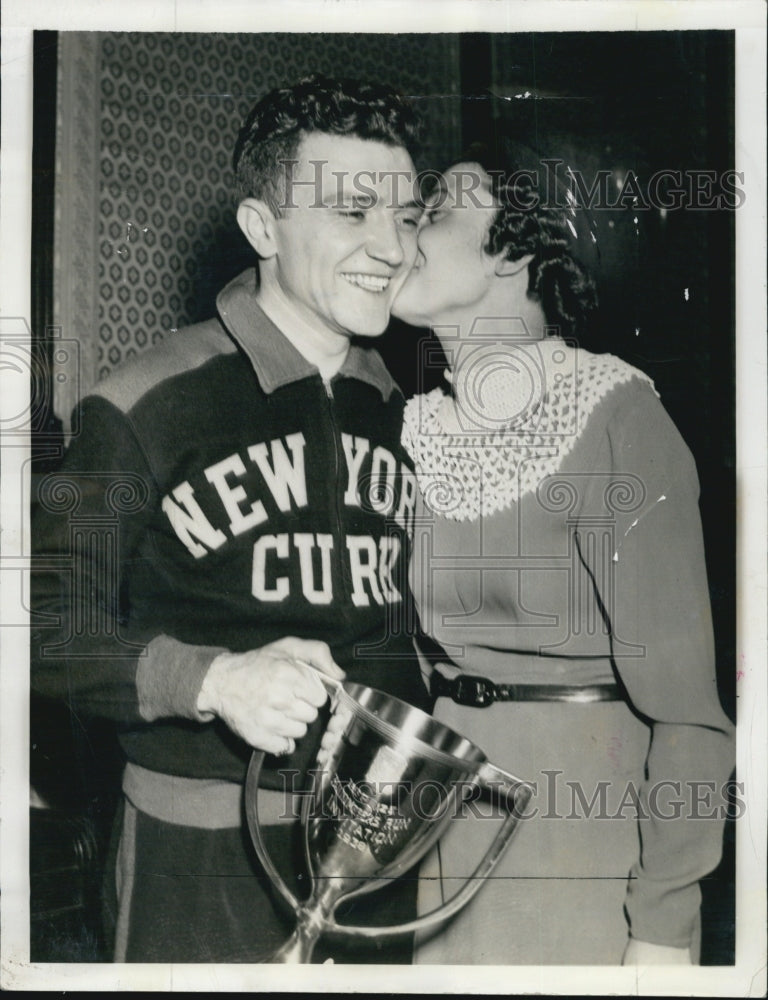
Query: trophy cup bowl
(387, 781)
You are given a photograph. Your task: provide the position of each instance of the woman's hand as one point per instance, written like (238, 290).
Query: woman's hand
(645, 953)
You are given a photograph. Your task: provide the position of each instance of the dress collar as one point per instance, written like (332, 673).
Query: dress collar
(274, 358)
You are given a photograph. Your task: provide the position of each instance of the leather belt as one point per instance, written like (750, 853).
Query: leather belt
(480, 692)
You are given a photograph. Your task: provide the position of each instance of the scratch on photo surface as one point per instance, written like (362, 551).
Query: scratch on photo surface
(634, 524)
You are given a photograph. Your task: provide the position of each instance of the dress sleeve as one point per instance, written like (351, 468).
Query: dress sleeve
(663, 652)
(88, 519)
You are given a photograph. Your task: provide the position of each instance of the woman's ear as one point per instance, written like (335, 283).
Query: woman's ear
(257, 222)
(505, 268)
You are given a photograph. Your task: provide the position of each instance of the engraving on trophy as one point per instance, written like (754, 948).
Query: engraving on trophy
(366, 823)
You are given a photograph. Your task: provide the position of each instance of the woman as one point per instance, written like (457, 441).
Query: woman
(559, 551)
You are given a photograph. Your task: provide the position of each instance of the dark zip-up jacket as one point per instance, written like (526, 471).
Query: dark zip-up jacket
(218, 494)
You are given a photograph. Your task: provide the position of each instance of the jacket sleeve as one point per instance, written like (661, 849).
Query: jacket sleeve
(663, 651)
(88, 520)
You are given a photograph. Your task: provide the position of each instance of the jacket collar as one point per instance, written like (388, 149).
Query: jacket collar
(274, 358)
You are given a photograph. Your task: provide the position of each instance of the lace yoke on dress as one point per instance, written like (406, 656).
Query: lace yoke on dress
(478, 470)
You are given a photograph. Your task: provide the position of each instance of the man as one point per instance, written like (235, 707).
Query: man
(239, 520)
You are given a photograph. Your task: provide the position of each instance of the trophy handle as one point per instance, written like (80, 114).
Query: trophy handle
(252, 815)
(517, 792)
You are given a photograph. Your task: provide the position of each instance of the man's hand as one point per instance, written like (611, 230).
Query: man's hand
(645, 953)
(264, 695)
(331, 737)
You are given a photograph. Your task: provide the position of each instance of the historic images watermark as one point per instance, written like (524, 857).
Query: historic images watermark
(552, 184)
(552, 798)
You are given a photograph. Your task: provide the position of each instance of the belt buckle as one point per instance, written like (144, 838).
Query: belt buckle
(474, 692)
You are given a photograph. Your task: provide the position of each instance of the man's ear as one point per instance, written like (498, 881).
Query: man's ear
(257, 222)
(506, 268)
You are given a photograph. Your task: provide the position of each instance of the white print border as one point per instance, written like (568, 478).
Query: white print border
(20, 17)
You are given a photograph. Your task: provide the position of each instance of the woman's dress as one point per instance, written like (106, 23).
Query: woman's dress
(568, 550)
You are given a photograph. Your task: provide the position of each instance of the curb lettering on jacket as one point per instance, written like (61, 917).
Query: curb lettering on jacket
(388, 488)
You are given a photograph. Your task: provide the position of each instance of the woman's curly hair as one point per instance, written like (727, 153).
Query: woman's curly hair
(525, 225)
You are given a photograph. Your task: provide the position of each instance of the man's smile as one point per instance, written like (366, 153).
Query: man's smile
(369, 282)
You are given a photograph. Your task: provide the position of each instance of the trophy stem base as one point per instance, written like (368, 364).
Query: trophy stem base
(299, 947)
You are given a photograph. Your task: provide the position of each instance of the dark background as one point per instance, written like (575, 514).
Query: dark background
(616, 101)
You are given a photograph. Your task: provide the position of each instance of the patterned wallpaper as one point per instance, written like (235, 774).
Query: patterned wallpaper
(169, 107)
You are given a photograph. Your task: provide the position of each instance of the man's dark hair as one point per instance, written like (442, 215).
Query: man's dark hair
(276, 125)
(525, 224)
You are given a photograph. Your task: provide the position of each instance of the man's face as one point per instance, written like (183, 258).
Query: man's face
(346, 238)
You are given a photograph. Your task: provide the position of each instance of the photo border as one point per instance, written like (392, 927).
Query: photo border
(748, 18)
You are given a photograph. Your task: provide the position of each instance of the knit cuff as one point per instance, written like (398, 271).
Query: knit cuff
(169, 678)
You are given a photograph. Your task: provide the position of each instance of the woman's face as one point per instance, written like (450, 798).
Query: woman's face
(453, 273)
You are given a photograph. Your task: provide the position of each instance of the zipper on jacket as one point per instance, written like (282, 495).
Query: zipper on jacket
(339, 532)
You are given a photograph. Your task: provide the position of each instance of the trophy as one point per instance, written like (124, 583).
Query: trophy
(387, 782)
